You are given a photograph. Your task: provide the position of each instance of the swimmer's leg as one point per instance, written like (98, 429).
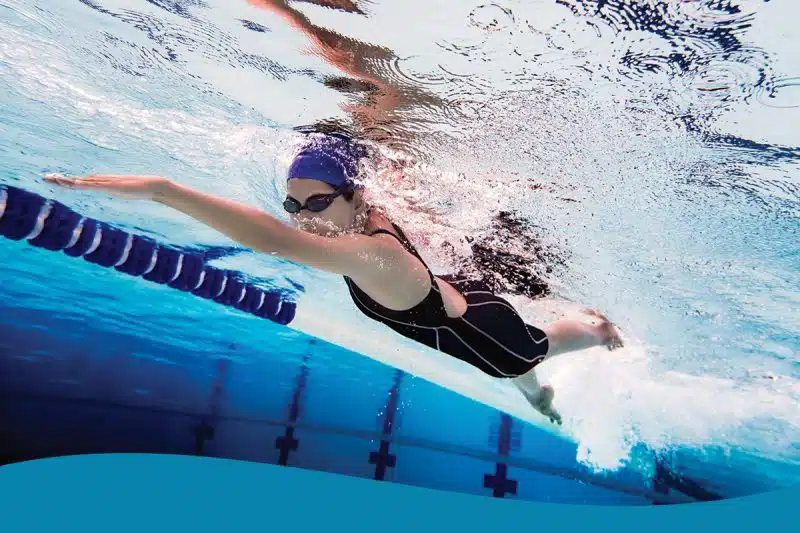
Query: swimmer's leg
(565, 336)
(539, 396)
(572, 335)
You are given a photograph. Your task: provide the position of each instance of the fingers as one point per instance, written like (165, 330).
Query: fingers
(58, 179)
(87, 182)
(72, 183)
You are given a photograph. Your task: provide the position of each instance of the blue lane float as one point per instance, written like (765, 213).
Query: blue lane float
(53, 226)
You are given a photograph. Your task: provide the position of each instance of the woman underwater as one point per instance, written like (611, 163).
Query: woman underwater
(336, 230)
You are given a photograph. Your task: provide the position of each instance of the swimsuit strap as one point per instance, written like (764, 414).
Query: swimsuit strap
(430, 312)
(386, 231)
(402, 239)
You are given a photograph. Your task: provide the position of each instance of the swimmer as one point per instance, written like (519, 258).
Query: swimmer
(336, 230)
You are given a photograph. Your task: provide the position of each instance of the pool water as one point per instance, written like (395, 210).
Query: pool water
(651, 151)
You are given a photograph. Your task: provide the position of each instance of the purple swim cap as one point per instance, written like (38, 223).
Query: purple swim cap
(332, 160)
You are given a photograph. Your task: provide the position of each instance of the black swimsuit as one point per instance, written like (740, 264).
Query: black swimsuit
(490, 335)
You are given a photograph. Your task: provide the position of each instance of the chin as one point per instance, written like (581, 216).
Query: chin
(324, 232)
(323, 229)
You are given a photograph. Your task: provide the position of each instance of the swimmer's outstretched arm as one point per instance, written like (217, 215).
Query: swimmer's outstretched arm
(350, 255)
(262, 232)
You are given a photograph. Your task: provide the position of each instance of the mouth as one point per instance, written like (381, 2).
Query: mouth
(318, 226)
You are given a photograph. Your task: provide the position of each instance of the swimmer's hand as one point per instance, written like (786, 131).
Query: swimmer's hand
(132, 187)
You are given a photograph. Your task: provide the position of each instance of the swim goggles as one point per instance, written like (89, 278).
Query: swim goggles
(314, 203)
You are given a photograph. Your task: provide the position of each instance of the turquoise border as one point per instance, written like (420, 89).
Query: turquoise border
(148, 493)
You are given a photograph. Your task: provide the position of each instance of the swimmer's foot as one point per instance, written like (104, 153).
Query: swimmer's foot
(543, 402)
(608, 332)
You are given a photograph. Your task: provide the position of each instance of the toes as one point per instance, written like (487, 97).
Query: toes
(613, 345)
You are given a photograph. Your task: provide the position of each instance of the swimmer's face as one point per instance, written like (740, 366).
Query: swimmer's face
(338, 217)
